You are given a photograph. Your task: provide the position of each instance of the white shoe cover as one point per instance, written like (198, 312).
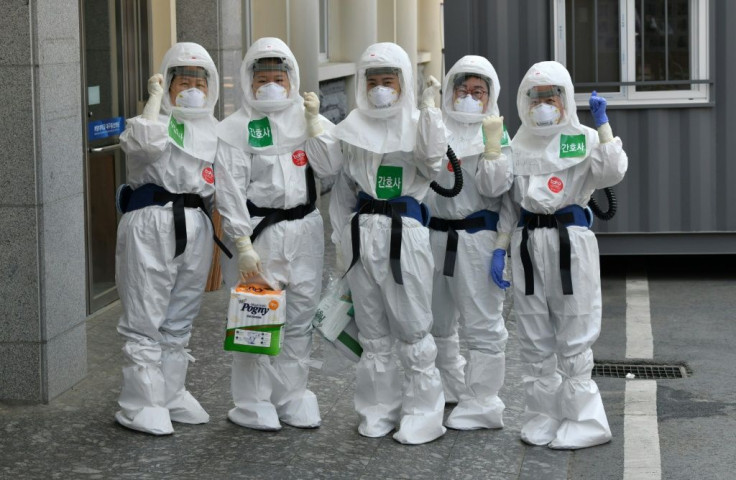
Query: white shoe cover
(296, 405)
(584, 422)
(419, 429)
(153, 420)
(471, 414)
(260, 416)
(186, 409)
(574, 435)
(479, 406)
(143, 392)
(302, 412)
(251, 381)
(423, 403)
(451, 366)
(377, 388)
(539, 430)
(183, 407)
(541, 417)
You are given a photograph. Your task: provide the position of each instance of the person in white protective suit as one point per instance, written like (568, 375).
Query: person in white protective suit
(391, 153)
(558, 163)
(462, 233)
(164, 244)
(266, 195)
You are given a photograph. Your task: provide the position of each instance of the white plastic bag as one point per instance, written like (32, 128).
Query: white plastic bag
(334, 319)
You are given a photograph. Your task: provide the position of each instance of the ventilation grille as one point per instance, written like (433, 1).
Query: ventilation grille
(639, 371)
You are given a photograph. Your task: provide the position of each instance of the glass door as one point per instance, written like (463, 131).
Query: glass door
(114, 42)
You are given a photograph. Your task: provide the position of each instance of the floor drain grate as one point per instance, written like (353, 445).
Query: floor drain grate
(639, 370)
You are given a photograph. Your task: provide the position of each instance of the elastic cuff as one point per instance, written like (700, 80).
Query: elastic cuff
(502, 240)
(492, 154)
(605, 134)
(314, 126)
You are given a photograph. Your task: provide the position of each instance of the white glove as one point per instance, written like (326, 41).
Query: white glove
(249, 263)
(155, 92)
(493, 130)
(429, 93)
(311, 114)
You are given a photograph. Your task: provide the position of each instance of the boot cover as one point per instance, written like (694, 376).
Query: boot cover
(584, 422)
(251, 388)
(377, 388)
(451, 366)
(423, 404)
(480, 406)
(296, 405)
(472, 414)
(153, 420)
(183, 407)
(541, 416)
(142, 396)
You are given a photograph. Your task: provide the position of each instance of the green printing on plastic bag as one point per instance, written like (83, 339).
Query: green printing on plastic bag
(263, 339)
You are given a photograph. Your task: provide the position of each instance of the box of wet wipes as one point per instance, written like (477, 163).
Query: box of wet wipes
(255, 319)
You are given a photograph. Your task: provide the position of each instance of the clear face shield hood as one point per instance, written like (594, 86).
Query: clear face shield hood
(545, 100)
(470, 90)
(190, 60)
(269, 56)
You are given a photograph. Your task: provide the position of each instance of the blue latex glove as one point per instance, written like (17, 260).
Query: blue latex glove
(497, 264)
(598, 109)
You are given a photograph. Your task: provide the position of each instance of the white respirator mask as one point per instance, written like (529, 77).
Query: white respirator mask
(382, 97)
(191, 98)
(271, 91)
(545, 115)
(468, 104)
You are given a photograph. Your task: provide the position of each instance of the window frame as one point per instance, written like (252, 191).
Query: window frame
(324, 12)
(700, 91)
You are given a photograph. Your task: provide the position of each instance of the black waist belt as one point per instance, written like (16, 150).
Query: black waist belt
(480, 220)
(561, 219)
(151, 194)
(394, 208)
(272, 216)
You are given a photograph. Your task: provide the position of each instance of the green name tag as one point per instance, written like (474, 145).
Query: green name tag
(572, 146)
(505, 140)
(259, 133)
(388, 182)
(176, 131)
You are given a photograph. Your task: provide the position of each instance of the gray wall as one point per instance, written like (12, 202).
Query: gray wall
(42, 254)
(679, 189)
(219, 29)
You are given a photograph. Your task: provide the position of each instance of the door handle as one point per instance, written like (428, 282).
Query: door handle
(105, 148)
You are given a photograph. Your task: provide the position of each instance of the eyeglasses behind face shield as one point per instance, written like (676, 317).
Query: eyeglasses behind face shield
(477, 92)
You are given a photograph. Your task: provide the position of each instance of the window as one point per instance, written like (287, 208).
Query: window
(323, 32)
(636, 52)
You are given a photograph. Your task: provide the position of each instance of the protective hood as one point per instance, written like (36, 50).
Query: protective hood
(267, 126)
(191, 129)
(466, 134)
(388, 129)
(540, 150)
(186, 54)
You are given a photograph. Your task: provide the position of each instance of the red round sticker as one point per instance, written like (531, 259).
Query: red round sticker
(209, 175)
(555, 185)
(299, 158)
(449, 165)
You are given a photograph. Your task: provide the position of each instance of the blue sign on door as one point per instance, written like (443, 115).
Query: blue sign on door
(109, 127)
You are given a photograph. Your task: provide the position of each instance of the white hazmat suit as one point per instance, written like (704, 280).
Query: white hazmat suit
(264, 159)
(160, 284)
(467, 288)
(557, 294)
(390, 155)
